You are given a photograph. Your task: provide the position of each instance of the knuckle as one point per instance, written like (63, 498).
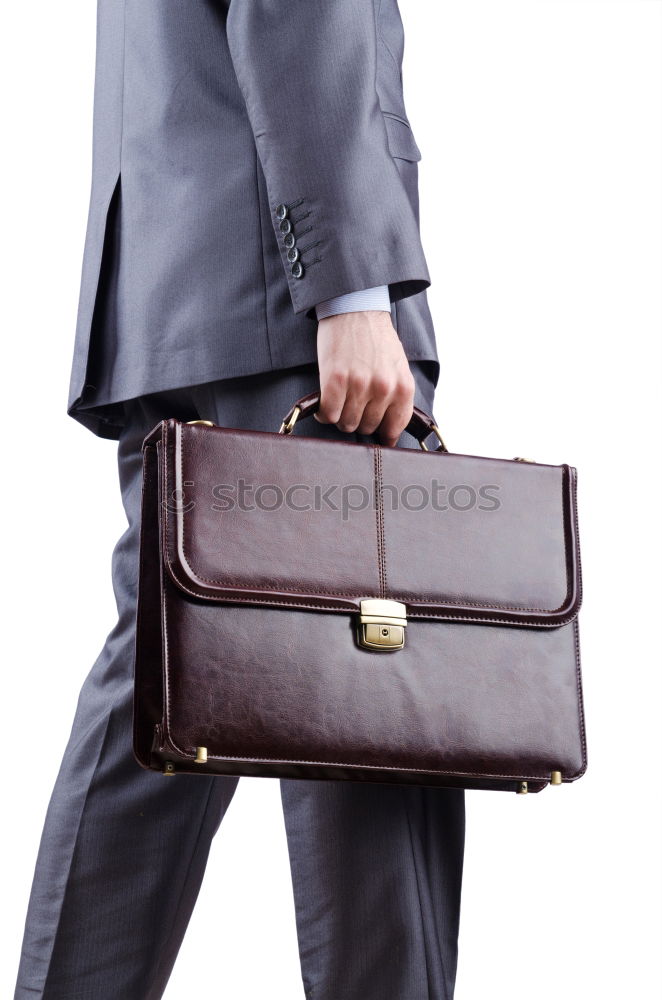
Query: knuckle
(336, 378)
(404, 398)
(406, 386)
(382, 386)
(358, 383)
(329, 411)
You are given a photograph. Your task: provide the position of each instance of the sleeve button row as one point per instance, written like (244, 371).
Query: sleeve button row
(293, 253)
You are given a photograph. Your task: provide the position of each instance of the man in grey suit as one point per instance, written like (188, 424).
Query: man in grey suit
(253, 235)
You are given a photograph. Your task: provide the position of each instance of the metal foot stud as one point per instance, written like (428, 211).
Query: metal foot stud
(169, 768)
(556, 778)
(201, 755)
(522, 788)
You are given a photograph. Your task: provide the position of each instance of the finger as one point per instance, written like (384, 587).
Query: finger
(333, 393)
(373, 414)
(396, 418)
(355, 404)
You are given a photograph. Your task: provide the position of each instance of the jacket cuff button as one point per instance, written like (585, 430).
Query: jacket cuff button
(285, 226)
(289, 240)
(297, 269)
(293, 254)
(281, 212)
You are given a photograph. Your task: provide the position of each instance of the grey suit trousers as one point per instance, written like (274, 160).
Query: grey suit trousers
(376, 868)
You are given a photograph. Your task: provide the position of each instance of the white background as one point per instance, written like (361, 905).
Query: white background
(539, 124)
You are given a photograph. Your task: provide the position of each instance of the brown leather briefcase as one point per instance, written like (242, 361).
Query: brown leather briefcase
(324, 609)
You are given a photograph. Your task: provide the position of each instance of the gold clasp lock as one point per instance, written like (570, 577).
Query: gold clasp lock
(381, 625)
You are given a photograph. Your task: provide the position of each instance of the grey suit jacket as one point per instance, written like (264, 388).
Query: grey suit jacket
(251, 158)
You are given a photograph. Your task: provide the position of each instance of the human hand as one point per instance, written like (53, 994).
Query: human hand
(365, 381)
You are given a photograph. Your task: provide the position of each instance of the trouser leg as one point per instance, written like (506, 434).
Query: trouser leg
(123, 850)
(377, 873)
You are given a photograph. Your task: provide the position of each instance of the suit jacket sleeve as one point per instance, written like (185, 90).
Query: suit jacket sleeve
(340, 212)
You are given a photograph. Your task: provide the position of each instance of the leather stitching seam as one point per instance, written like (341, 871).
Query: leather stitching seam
(371, 767)
(379, 517)
(575, 626)
(215, 581)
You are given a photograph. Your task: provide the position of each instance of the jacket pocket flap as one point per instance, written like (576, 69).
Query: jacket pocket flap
(401, 142)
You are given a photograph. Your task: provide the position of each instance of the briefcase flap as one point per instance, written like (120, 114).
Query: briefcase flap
(303, 522)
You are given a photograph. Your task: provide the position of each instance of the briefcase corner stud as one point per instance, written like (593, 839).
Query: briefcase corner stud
(555, 778)
(381, 625)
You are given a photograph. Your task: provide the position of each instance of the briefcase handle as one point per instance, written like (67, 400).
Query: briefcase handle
(420, 426)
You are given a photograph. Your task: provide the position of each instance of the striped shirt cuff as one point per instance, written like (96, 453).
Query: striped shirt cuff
(367, 298)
